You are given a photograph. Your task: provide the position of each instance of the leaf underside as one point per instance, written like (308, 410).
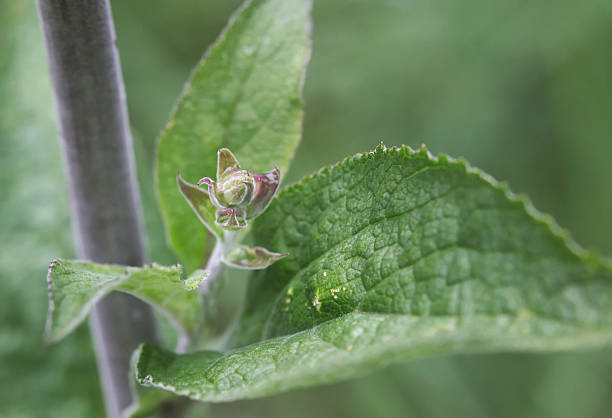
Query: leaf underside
(75, 286)
(396, 254)
(245, 95)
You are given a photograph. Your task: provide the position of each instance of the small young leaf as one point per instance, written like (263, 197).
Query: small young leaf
(397, 255)
(256, 258)
(75, 286)
(245, 95)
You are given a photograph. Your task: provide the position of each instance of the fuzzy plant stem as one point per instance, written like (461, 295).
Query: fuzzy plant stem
(98, 156)
(214, 266)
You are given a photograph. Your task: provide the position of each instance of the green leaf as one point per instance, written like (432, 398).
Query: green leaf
(245, 95)
(396, 254)
(349, 346)
(256, 258)
(75, 286)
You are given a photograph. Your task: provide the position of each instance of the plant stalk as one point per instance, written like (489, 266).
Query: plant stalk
(214, 266)
(99, 163)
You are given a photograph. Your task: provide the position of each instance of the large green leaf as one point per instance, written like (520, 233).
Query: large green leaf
(75, 286)
(244, 95)
(349, 346)
(396, 254)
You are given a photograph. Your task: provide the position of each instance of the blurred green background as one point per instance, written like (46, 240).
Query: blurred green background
(522, 89)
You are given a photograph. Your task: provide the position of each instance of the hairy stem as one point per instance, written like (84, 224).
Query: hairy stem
(214, 266)
(97, 147)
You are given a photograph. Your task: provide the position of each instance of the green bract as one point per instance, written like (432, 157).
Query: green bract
(396, 255)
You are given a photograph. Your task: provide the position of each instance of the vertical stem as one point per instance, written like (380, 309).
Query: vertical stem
(214, 267)
(97, 146)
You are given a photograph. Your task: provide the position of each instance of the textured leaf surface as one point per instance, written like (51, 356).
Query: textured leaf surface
(345, 347)
(396, 254)
(75, 286)
(245, 95)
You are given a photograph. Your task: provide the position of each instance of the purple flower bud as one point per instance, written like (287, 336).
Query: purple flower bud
(238, 194)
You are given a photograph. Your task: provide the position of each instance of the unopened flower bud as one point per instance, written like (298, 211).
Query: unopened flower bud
(238, 194)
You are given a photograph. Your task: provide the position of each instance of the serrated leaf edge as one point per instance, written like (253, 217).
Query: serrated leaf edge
(560, 233)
